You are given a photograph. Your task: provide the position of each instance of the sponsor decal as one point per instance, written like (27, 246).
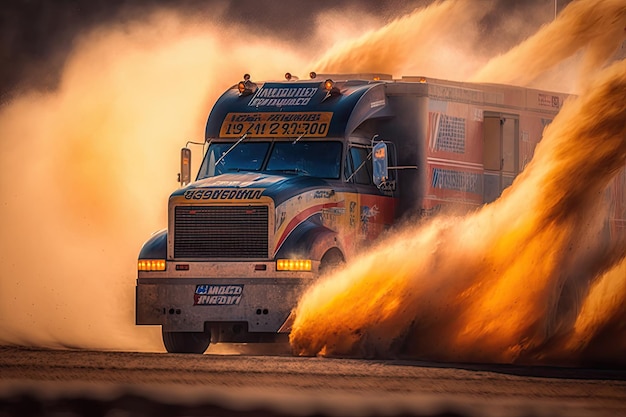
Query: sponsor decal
(377, 98)
(224, 194)
(284, 96)
(457, 180)
(548, 100)
(352, 213)
(214, 295)
(333, 211)
(224, 183)
(323, 194)
(368, 213)
(282, 124)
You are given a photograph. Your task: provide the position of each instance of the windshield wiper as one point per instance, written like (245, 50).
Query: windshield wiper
(297, 171)
(230, 149)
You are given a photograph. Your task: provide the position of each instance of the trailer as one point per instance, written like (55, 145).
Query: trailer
(298, 176)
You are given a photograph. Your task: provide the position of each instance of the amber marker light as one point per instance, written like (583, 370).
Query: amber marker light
(151, 265)
(328, 85)
(246, 87)
(293, 264)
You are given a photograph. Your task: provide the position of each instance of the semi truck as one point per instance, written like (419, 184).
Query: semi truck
(299, 175)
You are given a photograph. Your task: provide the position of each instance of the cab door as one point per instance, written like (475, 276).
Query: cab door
(500, 153)
(374, 211)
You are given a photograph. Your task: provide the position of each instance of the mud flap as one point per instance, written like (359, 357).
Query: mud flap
(288, 324)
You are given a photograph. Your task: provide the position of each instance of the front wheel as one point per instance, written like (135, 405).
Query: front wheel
(186, 342)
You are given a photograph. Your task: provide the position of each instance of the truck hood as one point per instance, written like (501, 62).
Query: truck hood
(277, 187)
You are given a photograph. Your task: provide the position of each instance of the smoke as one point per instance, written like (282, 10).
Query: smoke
(594, 30)
(426, 42)
(529, 278)
(450, 40)
(87, 169)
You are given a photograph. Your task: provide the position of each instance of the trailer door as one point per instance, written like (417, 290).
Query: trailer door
(500, 153)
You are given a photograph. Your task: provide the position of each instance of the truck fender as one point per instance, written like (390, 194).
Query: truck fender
(155, 247)
(311, 240)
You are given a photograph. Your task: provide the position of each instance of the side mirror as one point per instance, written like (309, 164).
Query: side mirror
(184, 177)
(381, 168)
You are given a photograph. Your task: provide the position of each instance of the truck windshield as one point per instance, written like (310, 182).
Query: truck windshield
(316, 159)
(320, 159)
(243, 157)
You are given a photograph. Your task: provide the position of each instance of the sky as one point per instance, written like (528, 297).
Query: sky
(37, 35)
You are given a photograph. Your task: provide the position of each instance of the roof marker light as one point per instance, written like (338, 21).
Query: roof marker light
(331, 89)
(246, 87)
(312, 75)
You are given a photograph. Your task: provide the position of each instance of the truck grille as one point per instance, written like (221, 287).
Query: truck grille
(221, 232)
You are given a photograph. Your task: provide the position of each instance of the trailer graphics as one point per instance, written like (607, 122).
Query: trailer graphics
(299, 176)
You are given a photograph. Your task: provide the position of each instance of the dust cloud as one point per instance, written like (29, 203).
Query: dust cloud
(425, 42)
(501, 284)
(446, 39)
(530, 278)
(87, 169)
(588, 32)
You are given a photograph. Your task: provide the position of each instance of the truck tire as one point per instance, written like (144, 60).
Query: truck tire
(186, 342)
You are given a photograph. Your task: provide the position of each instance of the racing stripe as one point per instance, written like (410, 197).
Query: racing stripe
(301, 217)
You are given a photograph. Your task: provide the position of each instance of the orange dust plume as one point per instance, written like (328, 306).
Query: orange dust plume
(596, 29)
(419, 42)
(447, 39)
(87, 169)
(528, 278)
